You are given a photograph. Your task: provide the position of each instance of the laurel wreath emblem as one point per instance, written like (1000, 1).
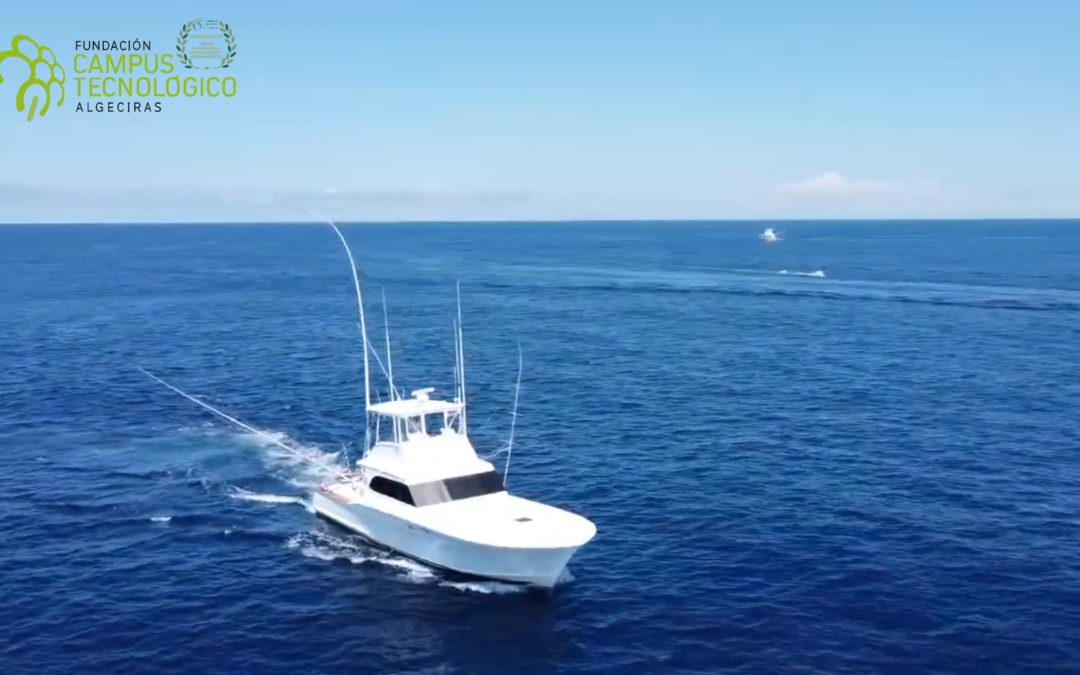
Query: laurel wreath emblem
(230, 45)
(226, 33)
(181, 44)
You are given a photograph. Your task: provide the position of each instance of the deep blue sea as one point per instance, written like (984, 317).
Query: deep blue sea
(875, 471)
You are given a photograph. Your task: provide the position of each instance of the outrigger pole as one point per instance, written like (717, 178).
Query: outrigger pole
(389, 359)
(457, 377)
(461, 362)
(513, 417)
(363, 328)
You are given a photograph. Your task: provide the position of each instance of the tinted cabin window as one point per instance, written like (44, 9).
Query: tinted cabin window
(475, 485)
(392, 489)
(452, 489)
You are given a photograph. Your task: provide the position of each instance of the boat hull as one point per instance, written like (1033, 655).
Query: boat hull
(540, 567)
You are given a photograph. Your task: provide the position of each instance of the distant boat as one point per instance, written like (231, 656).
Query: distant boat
(770, 236)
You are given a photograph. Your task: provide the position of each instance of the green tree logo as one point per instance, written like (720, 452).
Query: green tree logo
(44, 76)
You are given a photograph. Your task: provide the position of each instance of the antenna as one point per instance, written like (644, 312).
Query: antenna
(513, 417)
(457, 379)
(389, 360)
(363, 324)
(461, 362)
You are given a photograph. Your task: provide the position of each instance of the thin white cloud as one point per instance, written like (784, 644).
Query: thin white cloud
(22, 203)
(834, 187)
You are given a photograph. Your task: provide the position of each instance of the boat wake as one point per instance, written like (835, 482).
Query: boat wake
(307, 466)
(484, 587)
(327, 547)
(763, 283)
(304, 465)
(245, 495)
(323, 546)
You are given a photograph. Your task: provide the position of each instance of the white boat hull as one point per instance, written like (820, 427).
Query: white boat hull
(534, 566)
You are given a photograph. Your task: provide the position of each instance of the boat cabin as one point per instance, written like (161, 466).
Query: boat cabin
(422, 455)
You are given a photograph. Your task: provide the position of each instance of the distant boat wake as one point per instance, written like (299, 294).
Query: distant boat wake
(778, 283)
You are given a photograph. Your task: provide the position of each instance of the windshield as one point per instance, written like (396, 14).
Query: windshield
(453, 489)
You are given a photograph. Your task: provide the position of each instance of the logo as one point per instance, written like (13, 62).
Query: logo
(44, 76)
(206, 44)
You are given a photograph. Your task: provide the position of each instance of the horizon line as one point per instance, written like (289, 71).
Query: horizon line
(559, 221)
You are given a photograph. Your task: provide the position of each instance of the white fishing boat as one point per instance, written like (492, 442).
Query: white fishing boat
(770, 236)
(421, 489)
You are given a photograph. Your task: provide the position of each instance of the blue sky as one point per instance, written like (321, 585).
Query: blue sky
(412, 110)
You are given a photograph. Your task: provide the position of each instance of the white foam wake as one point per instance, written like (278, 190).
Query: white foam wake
(322, 546)
(484, 587)
(239, 493)
(160, 519)
(328, 547)
(313, 465)
(817, 274)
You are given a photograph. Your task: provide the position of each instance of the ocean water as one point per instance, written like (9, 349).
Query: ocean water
(875, 471)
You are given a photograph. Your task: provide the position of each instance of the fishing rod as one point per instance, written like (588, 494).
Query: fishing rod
(247, 427)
